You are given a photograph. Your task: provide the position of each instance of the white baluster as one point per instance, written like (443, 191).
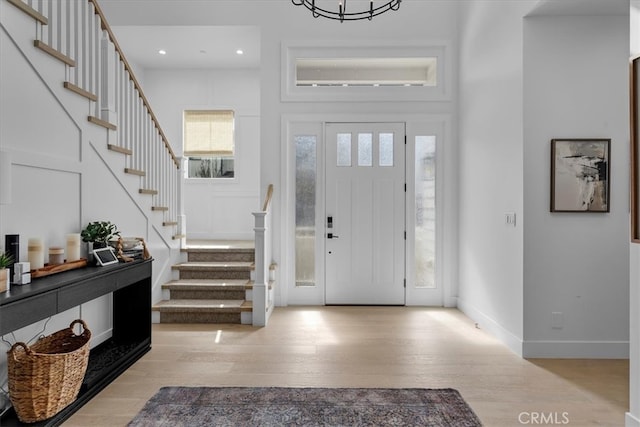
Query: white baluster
(97, 67)
(108, 80)
(60, 25)
(48, 12)
(69, 8)
(90, 49)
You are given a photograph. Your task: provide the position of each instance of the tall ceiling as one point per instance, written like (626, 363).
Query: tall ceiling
(581, 7)
(190, 46)
(193, 45)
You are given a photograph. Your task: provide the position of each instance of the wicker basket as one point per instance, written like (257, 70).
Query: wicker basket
(46, 377)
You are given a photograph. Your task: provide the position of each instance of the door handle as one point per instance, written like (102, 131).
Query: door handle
(332, 236)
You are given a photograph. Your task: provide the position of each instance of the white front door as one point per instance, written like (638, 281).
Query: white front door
(365, 213)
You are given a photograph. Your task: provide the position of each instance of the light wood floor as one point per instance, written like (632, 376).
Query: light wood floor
(369, 347)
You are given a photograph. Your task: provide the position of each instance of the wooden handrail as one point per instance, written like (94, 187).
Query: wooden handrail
(267, 200)
(105, 27)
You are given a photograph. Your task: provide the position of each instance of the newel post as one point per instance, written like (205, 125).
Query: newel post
(181, 217)
(261, 282)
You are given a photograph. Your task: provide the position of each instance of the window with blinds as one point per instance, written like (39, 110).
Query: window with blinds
(209, 144)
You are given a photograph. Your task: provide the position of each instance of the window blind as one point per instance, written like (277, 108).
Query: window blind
(208, 133)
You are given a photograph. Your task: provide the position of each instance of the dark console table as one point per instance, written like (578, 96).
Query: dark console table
(130, 284)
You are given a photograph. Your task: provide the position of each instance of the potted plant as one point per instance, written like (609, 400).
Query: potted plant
(5, 261)
(97, 234)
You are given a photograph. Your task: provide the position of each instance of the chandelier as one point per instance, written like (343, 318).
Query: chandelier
(343, 15)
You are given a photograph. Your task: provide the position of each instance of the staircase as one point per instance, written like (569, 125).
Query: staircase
(80, 63)
(91, 75)
(214, 285)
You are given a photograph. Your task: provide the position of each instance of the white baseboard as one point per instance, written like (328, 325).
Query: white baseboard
(576, 349)
(631, 421)
(513, 342)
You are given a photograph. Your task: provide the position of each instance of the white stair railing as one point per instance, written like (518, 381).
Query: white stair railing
(77, 33)
(262, 290)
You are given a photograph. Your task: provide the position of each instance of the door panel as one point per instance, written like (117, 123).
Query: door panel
(365, 197)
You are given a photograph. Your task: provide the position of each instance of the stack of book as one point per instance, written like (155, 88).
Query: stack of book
(131, 248)
(135, 253)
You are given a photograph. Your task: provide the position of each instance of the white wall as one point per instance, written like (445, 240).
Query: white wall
(490, 170)
(633, 416)
(62, 175)
(575, 86)
(215, 209)
(281, 23)
(495, 265)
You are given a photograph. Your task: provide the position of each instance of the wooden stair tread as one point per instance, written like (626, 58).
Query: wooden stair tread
(214, 265)
(148, 191)
(105, 124)
(219, 245)
(119, 149)
(217, 250)
(30, 11)
(205, 284)
(169, 223)
(200, 305)
(251, 283)
(54, 53)
(159, 208)
(79, 91)
(132, 171)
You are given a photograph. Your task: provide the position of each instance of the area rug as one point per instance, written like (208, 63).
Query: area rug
(276, 406)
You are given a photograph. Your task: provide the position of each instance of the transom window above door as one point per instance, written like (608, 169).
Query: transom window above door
(345, 71)
(374, 72)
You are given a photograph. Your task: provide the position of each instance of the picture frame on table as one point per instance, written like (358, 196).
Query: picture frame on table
(580, 175)
(105, 256)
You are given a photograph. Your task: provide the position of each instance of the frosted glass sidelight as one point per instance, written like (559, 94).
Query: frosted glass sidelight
(365, 149)
(344, 149)
(305, 210)
(425, 228)
(386, 149)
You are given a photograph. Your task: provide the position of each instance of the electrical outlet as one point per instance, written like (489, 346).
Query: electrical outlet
(510, 218)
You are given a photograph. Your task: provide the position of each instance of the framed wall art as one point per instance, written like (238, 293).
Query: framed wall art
(634, 120)
(580, 180)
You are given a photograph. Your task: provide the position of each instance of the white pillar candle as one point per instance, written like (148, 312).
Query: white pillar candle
(73, 247)
(35, 253)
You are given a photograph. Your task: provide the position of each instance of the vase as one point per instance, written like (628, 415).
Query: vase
(4, 279)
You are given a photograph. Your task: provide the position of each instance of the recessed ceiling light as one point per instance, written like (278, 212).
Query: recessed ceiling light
(240, 52)
(162, 52)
